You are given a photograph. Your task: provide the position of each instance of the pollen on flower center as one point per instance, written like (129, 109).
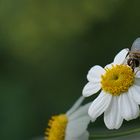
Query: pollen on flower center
(117, 79)
(56, 128)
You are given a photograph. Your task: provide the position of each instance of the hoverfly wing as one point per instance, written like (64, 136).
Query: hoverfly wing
(136, 46)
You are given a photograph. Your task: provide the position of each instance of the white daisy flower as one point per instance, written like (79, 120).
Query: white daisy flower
(70, 126)
(120, 91)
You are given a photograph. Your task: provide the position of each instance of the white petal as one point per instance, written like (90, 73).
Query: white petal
(137, 81)
(94, 74)
(134, 92)
(120, 57)
(91, 88)
(129, 109)
(99, 105)
(84, 136)
(82, 111)
(109, 66)
(77, 127)
(137, 72)
(112, 116)
(76, 105)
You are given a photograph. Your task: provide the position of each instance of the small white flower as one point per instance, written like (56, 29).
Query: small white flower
(120, 92)
(71, 125)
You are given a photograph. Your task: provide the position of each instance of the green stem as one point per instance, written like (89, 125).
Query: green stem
(113, 135)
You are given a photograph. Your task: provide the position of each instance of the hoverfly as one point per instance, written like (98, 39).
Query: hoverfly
(134, 55)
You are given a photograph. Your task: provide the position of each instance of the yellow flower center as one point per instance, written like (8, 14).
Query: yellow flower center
(56, 128)
(117, 79)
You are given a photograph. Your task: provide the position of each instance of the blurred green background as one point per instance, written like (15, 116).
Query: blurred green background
(46, 50)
